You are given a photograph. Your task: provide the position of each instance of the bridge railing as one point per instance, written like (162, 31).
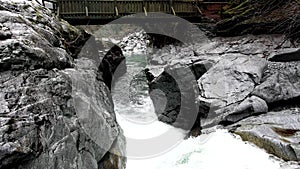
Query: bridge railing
(116, 8)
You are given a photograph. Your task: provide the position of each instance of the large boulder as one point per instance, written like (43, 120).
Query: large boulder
(281, 84)
(229, 82)
(235, 112)
(56, 111)
(175, 90)
(276, 132)
(111, 64)
(42, 123)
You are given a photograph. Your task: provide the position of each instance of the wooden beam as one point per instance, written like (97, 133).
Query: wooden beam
(199, 10)
(145, 11)
(116, 7)
(86, 11)
(86, 8)
(173, 11)
(117, 11)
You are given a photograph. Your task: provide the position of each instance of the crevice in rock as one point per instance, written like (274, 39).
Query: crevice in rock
(112, 66)
(159, 41)
(284, 104)
(286, 57)
(285, 132)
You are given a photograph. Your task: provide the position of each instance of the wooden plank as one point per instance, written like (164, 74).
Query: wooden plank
(145, 10)
(117, 11)
(199, 10)
(173, 11)
(86, 11)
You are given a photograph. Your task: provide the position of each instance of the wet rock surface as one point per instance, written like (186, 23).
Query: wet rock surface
(47, 118)
(277, 132)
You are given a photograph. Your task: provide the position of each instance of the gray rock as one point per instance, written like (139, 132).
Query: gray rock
(112, 66)
(229, 81)
(55, 112)
(5, 32)
(235, 112)
(33, 39)
(276, 132)
(258, 45)
(43, 126)
(282, 84)
(174, 93)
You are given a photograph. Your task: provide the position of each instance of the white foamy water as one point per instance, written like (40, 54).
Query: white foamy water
(216, 150)
(220, 150)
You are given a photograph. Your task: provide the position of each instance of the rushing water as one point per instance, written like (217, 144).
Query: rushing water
(216, 150)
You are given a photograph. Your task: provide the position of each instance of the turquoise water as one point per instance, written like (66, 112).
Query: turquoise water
(138, 60)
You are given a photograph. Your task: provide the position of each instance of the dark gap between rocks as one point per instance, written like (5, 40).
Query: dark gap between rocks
(284, 104)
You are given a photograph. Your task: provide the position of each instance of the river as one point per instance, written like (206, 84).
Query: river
(215, 150)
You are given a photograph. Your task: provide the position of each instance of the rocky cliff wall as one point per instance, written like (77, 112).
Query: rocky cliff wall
(55, 107)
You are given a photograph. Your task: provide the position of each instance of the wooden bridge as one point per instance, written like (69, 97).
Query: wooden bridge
(103, 11)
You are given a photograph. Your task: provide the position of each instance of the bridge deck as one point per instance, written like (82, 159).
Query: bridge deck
(108, 10)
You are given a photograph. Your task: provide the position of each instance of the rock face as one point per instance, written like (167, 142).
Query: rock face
(282, 84)
(174, 93)
(232, 78)
(49, 116)
(229, 82)
(112, 65)
(277, 132)
(233, 113)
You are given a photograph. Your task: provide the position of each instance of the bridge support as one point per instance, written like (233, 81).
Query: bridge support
(86, 8)
(116, 11)
(173, 11)
(145, 11)
(199, 10)
(86, 11)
